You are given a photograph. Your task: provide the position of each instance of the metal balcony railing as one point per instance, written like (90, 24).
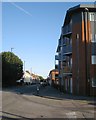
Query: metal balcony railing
(66, 30)
(67, 50)
(67, 69)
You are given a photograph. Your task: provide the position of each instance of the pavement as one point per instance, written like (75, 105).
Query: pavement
(53, 93)
(50, 93)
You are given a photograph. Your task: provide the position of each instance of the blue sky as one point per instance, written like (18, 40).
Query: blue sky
(33, 30)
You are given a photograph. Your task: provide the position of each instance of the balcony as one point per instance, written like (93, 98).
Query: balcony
(67, 50)
(56, 57)
(64, 42)
(67, 30)
(64, 58)
(67, 70)
(59, 42)
(59, 45)
(56, 66)
(60, 57)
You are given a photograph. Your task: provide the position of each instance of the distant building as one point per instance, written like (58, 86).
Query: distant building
(77, 51)
(35, 78)
(53, 77)
(27, 77)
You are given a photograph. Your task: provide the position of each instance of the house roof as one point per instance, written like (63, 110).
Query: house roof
(54, 70)
(78, 8)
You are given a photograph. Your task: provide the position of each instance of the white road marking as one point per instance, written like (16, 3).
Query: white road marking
(71, 115)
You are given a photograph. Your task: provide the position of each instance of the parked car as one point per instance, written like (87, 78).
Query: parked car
(43, 83)
(20, 82)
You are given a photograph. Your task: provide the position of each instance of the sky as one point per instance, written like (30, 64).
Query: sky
(32, 30)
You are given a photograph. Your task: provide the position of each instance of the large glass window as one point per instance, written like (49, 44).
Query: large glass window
(93, 59)
(92, 16)
(93, 37)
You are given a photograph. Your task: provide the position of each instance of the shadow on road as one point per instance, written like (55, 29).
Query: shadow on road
(92, 103)
(47, 92)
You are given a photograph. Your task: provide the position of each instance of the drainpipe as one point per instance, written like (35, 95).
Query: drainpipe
(86, 44)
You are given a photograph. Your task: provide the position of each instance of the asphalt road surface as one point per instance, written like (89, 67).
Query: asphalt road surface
(23, 102)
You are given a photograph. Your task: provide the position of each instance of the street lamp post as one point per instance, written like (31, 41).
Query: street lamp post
(11, 54)
(24, 66)
(12, 49)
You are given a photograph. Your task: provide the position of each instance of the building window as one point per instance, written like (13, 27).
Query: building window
(68, 63)
(93, 82)
(70, 41)
(61, 49)
(93, 59)
(53, 77)
(77, 36)
(92, 17)
(93, 37)
(71, 62)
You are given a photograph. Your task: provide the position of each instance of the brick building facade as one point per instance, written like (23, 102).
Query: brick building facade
(77, 51)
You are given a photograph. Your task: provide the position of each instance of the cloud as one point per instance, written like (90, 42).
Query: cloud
(20, 8)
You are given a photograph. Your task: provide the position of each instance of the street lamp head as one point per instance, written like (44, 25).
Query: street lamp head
(12, 49)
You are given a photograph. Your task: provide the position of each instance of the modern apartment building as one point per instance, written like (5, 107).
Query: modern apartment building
(77, 51)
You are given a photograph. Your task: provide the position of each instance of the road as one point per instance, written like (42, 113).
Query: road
(24, 102)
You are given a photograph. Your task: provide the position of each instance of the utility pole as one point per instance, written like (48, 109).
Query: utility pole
(11, 54)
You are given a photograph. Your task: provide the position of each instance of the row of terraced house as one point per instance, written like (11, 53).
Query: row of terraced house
(76, 52)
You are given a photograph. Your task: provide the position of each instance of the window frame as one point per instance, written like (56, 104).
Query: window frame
(93, 82)
(92, 16)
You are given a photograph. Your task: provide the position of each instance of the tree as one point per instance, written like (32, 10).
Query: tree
(40, 77)
(12, 68)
